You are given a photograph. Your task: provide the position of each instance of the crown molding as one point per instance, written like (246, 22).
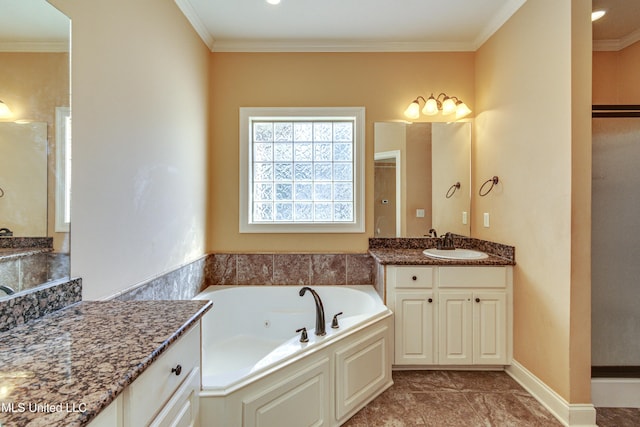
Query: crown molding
(335, 46)
(34, 47)
(190, 13)
(613, 45)
(498, 21)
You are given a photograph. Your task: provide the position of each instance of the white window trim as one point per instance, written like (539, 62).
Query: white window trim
(275, 113)
(62, 182)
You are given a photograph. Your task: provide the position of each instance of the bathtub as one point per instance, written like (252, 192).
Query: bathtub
(256, 371)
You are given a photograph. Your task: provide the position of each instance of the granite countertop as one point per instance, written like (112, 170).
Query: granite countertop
(63, 369)
(395, 256)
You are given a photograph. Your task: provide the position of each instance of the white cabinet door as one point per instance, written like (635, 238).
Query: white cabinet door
(414, 328)
(456, 332)
(490, 328)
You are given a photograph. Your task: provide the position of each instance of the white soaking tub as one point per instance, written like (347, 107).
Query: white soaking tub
(256, 372)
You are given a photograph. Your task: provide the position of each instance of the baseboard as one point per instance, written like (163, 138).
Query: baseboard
(615, 392)
(573, 415)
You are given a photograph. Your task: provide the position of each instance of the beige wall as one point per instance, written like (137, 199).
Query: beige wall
(33, 85)
(140, 124)
(418, 180)
(532, 131)
(615, 76)
(384, 83)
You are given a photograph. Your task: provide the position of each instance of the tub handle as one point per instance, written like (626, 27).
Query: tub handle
(177, 370)
(334, 322)
(303, 337)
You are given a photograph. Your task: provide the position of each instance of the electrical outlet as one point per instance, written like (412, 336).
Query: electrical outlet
(465, 218)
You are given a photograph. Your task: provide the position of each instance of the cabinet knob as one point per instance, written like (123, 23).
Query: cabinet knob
(177, 370)
(430, 300)
(414, 278)
(477, 299)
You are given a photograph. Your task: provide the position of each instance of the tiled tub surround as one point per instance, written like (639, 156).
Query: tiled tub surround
(82, 357)
(19, 309)
(289, 269)
(182, 283)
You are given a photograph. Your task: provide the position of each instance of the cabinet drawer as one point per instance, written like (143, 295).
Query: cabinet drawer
(147, 395)
(413, 277)
(472, 277)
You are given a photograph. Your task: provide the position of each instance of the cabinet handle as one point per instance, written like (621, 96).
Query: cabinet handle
(477, 299)
(414, 278)
(177, 370)
(430, 300)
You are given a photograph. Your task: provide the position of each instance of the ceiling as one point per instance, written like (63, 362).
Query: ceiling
(32, 25)
(414, 25)
(327, 25)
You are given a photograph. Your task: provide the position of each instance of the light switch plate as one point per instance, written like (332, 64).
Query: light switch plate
(486, 219)
(419, 213)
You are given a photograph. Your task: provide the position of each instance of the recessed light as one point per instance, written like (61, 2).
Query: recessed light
(273, 1)
(597, 14)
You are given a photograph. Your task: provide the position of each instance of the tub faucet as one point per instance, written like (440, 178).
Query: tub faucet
(320, 326)
(7, 289)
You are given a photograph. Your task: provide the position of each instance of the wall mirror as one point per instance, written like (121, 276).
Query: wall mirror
(34, 145)
(422, 178)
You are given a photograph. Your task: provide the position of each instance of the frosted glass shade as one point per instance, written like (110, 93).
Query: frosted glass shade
(448, 106)
(413, 110)
(430, 107)
(462, 110)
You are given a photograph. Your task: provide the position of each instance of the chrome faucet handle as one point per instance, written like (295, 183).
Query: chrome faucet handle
(303, 337)
(334, 322)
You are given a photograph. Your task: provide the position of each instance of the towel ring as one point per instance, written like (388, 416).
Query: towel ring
(452, 190)
(1, 192)
(494, 181)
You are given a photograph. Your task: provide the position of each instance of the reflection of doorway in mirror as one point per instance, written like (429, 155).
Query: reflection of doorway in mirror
(386, 195)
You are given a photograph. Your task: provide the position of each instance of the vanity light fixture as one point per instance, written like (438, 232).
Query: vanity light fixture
(5, 111)
(433, 105)
(274, 2)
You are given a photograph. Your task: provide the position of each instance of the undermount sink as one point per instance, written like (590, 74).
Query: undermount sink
(457, 253)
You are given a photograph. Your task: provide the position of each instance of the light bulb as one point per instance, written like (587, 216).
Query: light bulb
(430, 107)
(413, 110)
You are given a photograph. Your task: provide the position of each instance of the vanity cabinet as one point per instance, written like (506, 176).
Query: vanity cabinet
(414, 309)
(165, 394)
(461, 315)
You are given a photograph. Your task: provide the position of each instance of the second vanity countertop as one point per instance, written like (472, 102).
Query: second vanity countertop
(408, 251)
(76, 361)
(416, 257)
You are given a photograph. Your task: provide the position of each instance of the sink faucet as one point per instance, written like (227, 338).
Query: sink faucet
(432, 233)
(447, 242)
(7, 290)
(320, 326)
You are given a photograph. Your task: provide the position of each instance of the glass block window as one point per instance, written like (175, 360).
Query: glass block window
(302, 170)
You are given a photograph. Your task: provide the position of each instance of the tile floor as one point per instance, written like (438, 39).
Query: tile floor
(469, 399)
